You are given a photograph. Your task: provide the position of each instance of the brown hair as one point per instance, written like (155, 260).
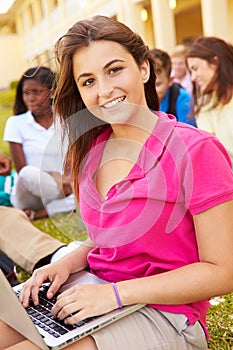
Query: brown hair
(82, 128)
(215, 51)
(162, 61)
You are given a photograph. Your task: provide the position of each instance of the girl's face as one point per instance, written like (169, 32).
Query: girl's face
(202, 72)
(108, 79)
(36, 96)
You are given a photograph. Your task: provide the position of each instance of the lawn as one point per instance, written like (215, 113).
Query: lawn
(69, 227)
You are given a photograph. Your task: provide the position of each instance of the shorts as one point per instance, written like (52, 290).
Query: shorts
(150, 329)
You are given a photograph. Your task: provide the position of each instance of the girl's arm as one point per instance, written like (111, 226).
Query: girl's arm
(212, 276)
(17, 155)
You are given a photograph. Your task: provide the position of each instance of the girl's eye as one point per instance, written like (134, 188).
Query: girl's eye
(115, 70)
(88, 82)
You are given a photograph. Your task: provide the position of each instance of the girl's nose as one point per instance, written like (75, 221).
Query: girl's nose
(193, 76)
(105, 88)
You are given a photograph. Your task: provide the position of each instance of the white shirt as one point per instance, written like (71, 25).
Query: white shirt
(42, 147)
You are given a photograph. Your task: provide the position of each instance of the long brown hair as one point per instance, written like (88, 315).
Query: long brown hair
(83, 127)
(216, 51)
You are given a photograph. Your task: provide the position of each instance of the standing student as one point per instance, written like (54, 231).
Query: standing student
(174, 99)
(41, 187)
(210, 62)
(153, 193)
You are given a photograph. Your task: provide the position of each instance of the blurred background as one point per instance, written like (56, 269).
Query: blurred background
(29, 28)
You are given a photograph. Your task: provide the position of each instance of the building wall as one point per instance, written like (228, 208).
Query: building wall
(191, 20)
(12, 61)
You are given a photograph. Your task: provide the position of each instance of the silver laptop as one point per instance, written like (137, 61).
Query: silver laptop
(37, 324)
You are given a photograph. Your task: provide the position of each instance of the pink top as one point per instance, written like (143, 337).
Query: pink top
(144, 226)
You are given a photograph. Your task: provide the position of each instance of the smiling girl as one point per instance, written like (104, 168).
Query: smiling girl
(210, 61)
(153, 193)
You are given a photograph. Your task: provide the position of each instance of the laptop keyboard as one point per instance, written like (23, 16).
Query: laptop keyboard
(42, 317)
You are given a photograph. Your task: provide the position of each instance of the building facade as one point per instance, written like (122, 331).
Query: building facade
(30, 28)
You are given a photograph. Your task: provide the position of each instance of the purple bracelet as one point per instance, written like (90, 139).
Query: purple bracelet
(117, 295)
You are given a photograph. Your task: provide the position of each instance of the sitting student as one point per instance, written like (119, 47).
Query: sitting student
(41, 187)
(173, 98)
(180, 72)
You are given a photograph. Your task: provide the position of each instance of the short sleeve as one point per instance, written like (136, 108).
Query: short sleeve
(12, 130)
(208, 175)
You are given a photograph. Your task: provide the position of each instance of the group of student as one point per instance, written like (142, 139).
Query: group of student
(155, 195)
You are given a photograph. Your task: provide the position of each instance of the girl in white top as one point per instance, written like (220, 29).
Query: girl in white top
(210, 61)
(35, 146)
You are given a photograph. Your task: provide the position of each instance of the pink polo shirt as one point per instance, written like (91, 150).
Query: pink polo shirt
(144, 226)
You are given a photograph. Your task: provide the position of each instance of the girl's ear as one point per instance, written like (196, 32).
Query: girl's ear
(145, 71)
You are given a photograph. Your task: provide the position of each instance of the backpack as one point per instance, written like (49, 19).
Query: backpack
(7, 267)
(174, 93)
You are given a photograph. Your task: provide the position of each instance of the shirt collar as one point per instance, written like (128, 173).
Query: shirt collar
(151, 150)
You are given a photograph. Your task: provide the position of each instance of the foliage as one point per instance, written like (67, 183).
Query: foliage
(7, 98)
(14, 84)
(4, 114)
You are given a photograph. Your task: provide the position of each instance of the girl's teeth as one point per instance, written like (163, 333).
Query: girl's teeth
(114, 103)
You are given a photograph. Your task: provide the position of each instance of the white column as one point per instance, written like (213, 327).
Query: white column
(215, 18)
(164, 25)
(129, 12)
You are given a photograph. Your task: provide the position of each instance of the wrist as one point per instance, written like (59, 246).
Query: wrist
(117, 296)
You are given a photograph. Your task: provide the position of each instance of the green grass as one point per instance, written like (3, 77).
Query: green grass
(4, 114)
(69, 227)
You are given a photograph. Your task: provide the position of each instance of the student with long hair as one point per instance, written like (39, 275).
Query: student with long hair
(153, 193)
(210, 62)
(41, 187)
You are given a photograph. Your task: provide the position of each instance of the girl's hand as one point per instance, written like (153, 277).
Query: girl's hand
(64, 182)
(55, 273)
(67, 187)
(84, 300)
(5, 165)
